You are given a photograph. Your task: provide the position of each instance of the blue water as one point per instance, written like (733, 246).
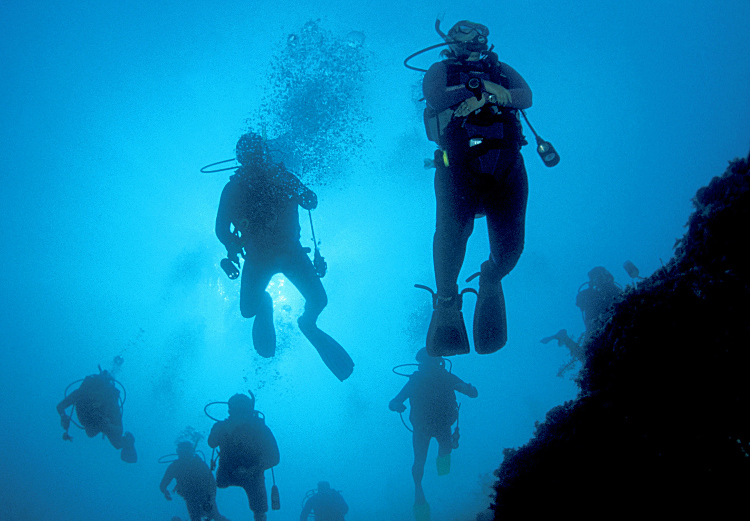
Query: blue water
(109, 111)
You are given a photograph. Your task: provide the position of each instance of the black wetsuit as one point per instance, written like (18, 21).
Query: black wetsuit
(262, 207)
(247, 449)
(485, 172)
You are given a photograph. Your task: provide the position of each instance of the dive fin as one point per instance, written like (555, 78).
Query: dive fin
(422, 511)
(264, 331)
(128, 454)
(447, 335)
(490, 323)
(330, 351)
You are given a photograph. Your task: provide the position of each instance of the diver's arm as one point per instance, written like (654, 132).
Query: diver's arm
(436, 91)
(67, 402)
(166, 480)
(306, 198)
(520, 92)
(307, 509)
(214, 438)
(467, 389)
(223, 216)
(397, 404)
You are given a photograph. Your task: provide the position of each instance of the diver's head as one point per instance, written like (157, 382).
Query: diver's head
(467, 37)
(599, 277)
(323, 486)
(185, 449)
(241, 404)
(251, 150)
(426, 361)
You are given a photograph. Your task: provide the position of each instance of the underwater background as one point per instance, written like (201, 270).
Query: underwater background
(110, 258)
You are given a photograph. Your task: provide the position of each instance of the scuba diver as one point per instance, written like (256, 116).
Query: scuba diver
(596, 299)
(325, 504)
(195, 483)
(247, 448)
(600, 292)
(473, 102)
(98, 405)
(258, 220)
(432, 398)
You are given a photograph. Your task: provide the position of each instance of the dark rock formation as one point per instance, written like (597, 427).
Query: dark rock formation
(660, 426)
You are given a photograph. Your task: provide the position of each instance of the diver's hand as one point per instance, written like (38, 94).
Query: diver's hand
(468, 106)
(396, 406)
(65, 421)
(501, 93)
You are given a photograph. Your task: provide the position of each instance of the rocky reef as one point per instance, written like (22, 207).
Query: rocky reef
(660, 426)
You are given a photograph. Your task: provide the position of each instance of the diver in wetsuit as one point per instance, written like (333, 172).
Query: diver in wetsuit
(473, 101)
(258, 219)
(325, 504)
(247, 448)
(99, 410)
(195, 483)
(431, 391)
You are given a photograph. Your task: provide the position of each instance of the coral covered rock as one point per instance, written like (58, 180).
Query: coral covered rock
(660, 426)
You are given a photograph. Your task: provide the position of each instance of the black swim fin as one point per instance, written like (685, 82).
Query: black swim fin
(128, 454)
(490, 322)
(446, 335)
(264, 331)
(330, 351)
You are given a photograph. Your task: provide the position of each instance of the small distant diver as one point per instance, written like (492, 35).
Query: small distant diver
(246, 449)
(324, 504)
(431, 391)
(98, 405)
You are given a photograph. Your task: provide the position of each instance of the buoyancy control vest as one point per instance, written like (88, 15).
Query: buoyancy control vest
(490, 122)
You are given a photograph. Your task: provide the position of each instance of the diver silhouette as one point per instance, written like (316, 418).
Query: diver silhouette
(473, 102)
(258, 220)
(431, 391)
(98, 405)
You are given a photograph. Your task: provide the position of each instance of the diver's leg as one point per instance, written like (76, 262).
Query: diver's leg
(256, 302)
(454, 224)
(505, 206)
(506, 213)
(194, 508)
(421, 444)
(443, 460)
(257, 496)
(446, 334)
(256, 274)
(113, 432)
(299, 269)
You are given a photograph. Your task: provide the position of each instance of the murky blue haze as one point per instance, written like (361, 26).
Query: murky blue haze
(110, 109)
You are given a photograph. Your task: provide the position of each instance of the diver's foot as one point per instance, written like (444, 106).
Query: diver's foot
(421, 511)
(446, 335)
(264, 332)
(443, 464)
(128, 454)
(490, 324)
(333, 355)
